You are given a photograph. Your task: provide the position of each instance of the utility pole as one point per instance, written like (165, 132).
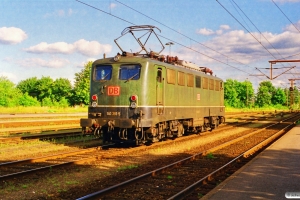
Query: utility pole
(170, 44)
(292, 90)
(272, 62)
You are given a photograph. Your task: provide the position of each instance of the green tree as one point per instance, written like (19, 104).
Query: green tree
(279, 97)
(265, 93)
(44, 88)
(237, 94)
(230, 93)
(29, 86)
(61, 89)
(9, 94)
(81, 91)
(245, 93)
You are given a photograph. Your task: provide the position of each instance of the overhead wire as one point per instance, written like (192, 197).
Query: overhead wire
(290, 22)
(247, 31)
(191, 39)
(286, 16)
(164, 36)
(260, 32)
(245, 28)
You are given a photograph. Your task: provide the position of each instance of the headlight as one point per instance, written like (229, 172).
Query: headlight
(133, 105)
(94, 104)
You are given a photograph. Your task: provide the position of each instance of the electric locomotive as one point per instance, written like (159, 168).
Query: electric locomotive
(146, 97)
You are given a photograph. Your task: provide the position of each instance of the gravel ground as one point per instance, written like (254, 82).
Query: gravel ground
(76, 181)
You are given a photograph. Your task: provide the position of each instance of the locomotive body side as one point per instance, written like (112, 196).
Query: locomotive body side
(142, 99)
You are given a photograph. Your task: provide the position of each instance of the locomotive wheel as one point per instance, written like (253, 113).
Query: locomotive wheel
(222, 120)
(98, 133)
(200, 130)
(180, 130)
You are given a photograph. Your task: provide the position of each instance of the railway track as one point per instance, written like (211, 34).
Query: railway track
(113, 154)
(55, 132)
(179, 179)
(23, 167)
(44, 136)
(10, 170)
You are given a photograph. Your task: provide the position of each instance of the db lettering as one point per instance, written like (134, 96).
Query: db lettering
(113, 91)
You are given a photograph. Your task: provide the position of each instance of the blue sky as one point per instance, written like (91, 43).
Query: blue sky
(232, 37)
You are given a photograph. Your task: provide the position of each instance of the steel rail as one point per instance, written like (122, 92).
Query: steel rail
(246, 154)
(45, 158)
(62, 155)
(64, 133)
(159, 170)
(50, 167)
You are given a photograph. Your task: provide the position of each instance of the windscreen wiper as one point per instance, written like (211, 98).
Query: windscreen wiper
(131, 77)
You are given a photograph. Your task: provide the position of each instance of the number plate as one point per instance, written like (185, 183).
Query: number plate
(113, 90)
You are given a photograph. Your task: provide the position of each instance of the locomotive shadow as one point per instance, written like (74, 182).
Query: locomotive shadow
(266, 170)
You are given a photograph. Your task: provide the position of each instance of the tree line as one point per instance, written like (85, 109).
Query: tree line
(241, 95)
(60, 92)
(46, 91)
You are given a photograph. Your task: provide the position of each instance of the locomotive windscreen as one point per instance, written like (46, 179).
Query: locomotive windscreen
(103, 72)
(129, 72)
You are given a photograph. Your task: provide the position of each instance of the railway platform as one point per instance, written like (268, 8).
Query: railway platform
(273, 174)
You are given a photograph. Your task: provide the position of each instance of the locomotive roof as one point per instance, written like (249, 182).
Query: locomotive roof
(161, 60)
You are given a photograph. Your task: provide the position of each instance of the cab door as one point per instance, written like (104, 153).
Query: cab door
(160, 88)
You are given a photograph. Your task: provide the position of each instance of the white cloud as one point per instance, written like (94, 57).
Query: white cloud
(205, 31)
(113, 5)
(219, 32)
(91, 48)
(38, 62)
(238, 48)
(224, 27)
(292, 28)
(87, 48)
(12, 35)
(58, 47)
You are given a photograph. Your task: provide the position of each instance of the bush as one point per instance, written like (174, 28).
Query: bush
(8, 93)
(63, 103)
(26, 100)
(47, 102)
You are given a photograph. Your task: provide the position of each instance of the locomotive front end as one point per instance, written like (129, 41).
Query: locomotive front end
(115, 91)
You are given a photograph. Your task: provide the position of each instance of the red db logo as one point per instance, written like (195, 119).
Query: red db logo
(113, 90)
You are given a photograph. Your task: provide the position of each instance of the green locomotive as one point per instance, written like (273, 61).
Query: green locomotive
(147, 97)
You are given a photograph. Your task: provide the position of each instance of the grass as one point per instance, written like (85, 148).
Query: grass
(30, 110)
(36, 109)
(122, 168)
(27, 149)
(282, 108)
(210, 156)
